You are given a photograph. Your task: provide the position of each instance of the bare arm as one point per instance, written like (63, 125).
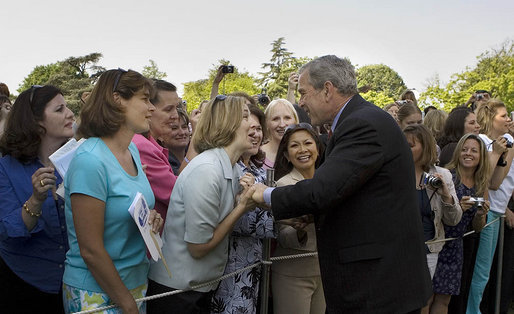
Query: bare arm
(88, 218)
(291, 87)
(216, 83)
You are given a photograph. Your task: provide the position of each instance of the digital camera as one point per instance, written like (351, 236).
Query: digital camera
(227, 69)
(479, 201)
(262, 98)
(433, 181)
(509, 143)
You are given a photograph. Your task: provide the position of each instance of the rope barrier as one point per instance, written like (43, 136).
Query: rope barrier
(263, 262)
(465, 234)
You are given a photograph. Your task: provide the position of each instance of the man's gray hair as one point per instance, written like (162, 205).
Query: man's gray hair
(333, 69)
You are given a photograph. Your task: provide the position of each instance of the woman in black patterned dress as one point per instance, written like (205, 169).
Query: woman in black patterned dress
(470, 170)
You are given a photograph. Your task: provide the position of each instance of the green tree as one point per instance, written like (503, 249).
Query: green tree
(378, 98)
(73, 76)
(382, 79)
(383, 85)
(152, 71)
(197, 91)
(276, 72)
(494, 72)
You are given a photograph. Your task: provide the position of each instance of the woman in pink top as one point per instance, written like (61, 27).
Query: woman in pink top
(153, 155)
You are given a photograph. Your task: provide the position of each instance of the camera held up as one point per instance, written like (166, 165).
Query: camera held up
(432, 181)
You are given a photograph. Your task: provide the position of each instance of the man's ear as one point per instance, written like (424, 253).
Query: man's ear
(328, 90)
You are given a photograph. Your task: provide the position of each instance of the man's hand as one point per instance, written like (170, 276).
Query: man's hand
(258, 195)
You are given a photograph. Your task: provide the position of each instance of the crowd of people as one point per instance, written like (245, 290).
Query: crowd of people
(375, 192)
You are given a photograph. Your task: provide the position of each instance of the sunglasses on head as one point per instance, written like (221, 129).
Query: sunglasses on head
(301, 125)
(117, 79)
(33, 89)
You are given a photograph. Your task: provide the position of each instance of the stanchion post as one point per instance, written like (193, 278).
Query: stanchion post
(500, 266)
(266, 252)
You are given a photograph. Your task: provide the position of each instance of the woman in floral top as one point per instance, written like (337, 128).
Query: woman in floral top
(240, 293)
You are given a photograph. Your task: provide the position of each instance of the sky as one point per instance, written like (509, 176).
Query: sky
(418, 39)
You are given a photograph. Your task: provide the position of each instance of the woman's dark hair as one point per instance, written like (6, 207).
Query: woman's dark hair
(454, 126)
(427, 141)
(23, 133)
(258, 159)
(284, 166)
(4, 90)
(101, 115)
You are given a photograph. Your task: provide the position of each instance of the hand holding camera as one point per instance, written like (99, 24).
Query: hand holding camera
(435, 182)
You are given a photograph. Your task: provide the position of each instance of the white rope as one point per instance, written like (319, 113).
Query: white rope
(204, 284)
(465, 234)
(276, 258)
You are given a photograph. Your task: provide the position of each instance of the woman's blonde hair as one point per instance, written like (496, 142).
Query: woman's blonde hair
(486, 113)
(269, 109)
(219, 121)
(434, 121)
(482, 172)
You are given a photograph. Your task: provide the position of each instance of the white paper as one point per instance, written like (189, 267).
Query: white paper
(140, 213)
(62, 157)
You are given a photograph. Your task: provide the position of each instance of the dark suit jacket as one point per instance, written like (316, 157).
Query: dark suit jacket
(368, 226)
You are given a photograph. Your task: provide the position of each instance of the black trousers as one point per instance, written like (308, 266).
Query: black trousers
(17, 296)
(190, 302)
(488, 300)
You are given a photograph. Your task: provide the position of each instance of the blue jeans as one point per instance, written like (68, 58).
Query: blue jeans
(484, 260)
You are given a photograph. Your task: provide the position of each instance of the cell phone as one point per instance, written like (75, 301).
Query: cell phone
(512, 115)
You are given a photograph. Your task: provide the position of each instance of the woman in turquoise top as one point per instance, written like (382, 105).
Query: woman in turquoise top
(107, 260)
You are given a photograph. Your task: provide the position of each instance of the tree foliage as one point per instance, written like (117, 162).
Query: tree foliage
(494, 72)
(384, 84)
(73, 76)
(381, 79)
(152, 71)
(378, 98)
(276, 72)
(197, 91)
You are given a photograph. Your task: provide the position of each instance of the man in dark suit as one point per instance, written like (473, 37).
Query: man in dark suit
(368, 225)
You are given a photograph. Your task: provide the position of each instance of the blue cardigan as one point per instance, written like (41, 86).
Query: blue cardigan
(37, 256)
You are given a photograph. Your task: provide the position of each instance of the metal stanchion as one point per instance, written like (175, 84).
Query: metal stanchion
(266, 252)
(500, 266)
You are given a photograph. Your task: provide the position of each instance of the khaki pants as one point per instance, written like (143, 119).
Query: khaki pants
(297, 295)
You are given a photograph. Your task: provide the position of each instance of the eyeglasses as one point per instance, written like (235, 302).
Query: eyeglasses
(33, 89)
(117, 80)
(301, 125)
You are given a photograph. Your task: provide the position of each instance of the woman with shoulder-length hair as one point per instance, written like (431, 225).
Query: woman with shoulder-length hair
(33, 240)
(471, 172)
(280, 113)
(246, 239)
(437, 200)
(496, 133)
(201, 213)
(107, 260)
(461, 120)
(409, 114)
(297, 286)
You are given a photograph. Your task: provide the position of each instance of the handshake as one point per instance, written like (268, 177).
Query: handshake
(253, 195)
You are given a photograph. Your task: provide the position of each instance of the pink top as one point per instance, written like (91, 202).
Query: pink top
(268, 164)
(159, 172)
